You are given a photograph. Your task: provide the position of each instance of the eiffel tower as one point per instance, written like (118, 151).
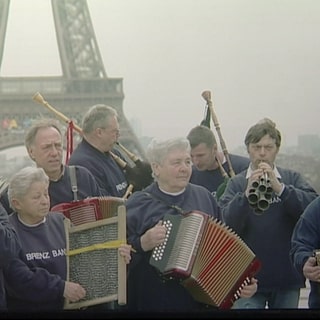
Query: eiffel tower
(83, 83)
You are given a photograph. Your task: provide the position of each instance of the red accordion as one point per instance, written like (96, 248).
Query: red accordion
(90, 209)
(211, 260)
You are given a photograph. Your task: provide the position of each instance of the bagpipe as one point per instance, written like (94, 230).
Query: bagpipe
(211, 115)
(138, 174)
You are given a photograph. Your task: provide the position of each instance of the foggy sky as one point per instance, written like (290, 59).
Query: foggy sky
(260, 58)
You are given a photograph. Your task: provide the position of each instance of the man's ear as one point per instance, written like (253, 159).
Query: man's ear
(30, 153)
(215, 147)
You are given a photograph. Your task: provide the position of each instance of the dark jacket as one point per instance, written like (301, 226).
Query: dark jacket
(306, 239)
(108, 174)
(60, 191)
(9, 248)
(269, 234)
(35, 281)
(147, 290)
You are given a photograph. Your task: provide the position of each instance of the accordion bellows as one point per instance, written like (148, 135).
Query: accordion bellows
(90, 209)
(211, 260)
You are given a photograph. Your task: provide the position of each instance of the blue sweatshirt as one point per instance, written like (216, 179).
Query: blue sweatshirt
(108, 174)
(35, 281)
(269, 234)
(60, 191)
(212, 179)
(146, 289)
(305, 239)
(9, 249)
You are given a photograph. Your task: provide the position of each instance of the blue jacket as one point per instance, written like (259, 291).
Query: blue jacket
(35, 281)
(146, 290)
(212, 179)
(305, 239)
(60, 191)
(269, 234)
(108, 174)
(9, 249)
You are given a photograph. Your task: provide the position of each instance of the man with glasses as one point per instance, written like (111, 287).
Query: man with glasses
(100, 129)
(268, 232)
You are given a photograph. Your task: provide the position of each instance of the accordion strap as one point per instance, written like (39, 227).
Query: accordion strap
(180, 210)
(73, 179)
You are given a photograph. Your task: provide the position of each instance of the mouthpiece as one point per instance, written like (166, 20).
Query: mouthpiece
(206, 95)
(38, 98)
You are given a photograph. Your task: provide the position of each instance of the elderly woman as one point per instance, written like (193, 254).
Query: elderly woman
(170, 193)
(42, 286)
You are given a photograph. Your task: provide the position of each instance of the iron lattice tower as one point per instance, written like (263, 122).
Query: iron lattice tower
(84, 81)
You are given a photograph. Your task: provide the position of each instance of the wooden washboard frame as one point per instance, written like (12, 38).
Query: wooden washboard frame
(97, 269)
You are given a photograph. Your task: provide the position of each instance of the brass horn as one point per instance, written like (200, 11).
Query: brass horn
(260, 194)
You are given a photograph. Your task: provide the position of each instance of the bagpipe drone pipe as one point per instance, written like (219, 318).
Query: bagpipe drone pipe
(211, 115)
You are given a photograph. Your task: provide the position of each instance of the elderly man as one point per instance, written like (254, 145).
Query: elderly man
(44, 144)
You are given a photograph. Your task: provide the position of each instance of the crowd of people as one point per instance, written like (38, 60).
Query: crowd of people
(187, 177)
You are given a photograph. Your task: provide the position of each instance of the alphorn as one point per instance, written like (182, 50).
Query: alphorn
(123, 164)
(206, 95)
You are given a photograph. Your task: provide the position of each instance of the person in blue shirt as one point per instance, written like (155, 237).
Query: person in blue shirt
(170, 193)
(305, 243)
(206, 157)
(44, 144)
(268, 233)
(9, 249)
(101, 131)
(36, 281)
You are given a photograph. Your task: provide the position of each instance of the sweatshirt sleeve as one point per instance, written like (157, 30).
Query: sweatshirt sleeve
(234, 205)
(9, 243)
(32, 284)
(305, 237)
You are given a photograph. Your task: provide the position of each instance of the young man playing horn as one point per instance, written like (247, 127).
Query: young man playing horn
(268, 233)
(101, 131)
(206, 158)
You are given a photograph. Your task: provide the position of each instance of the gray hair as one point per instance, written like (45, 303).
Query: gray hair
(20, 182)
(158, 150)
(97, 117)
(40, 124)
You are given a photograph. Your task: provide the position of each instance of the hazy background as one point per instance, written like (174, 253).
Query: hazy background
(260, 58)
